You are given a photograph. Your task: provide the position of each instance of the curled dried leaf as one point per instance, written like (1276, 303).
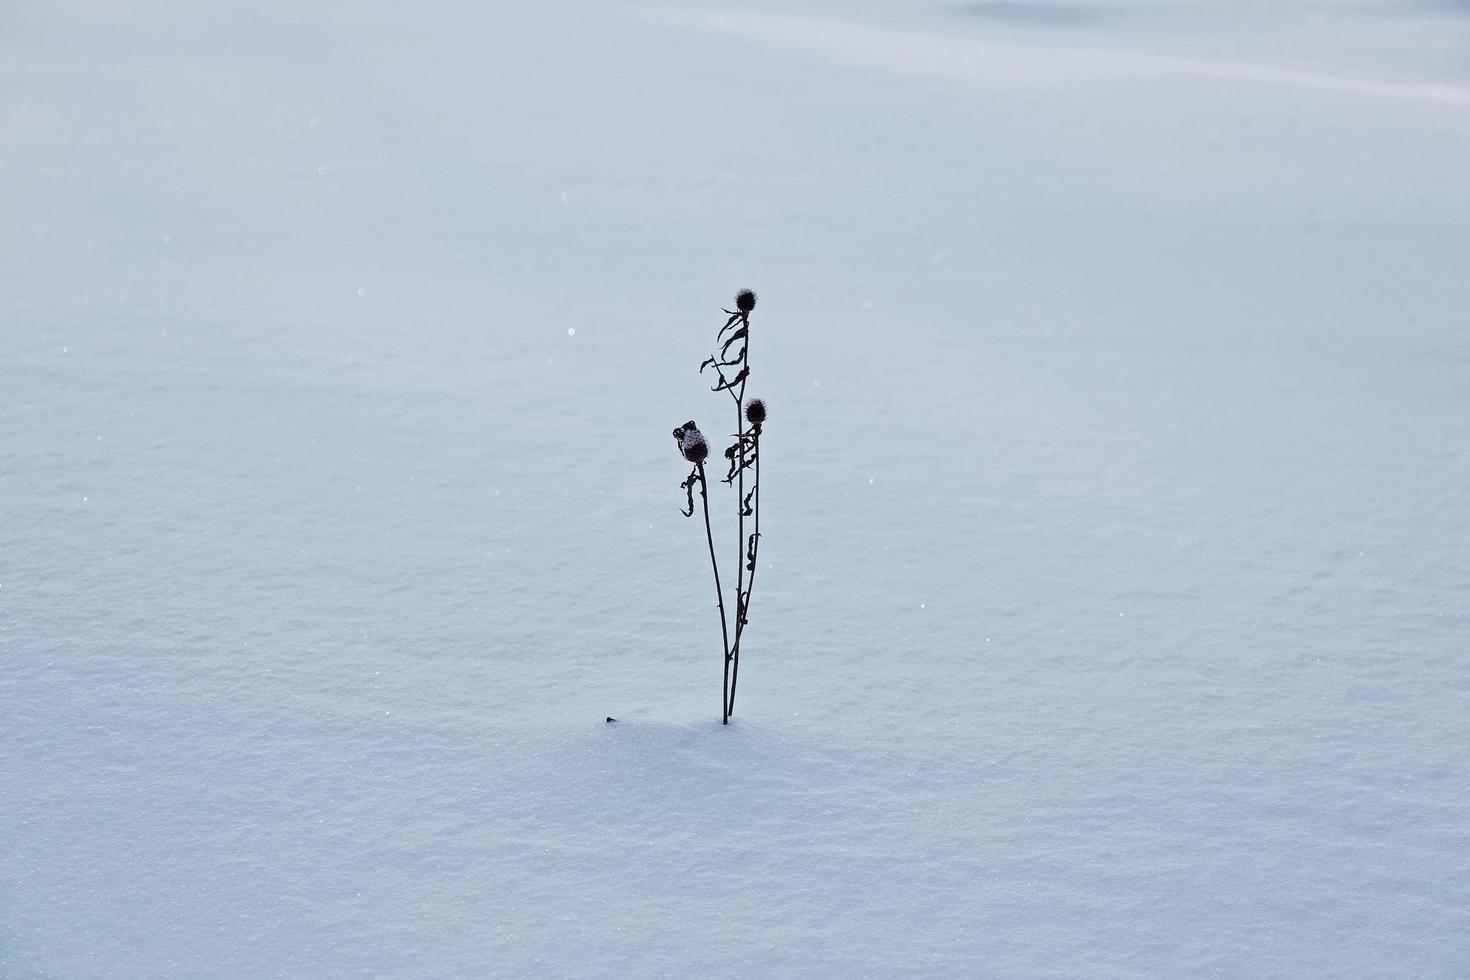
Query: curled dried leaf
(688, 485)
(727, 384)
(737, 335)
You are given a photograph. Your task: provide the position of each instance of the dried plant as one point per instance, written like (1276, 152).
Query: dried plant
(693, 448)
(743, 458)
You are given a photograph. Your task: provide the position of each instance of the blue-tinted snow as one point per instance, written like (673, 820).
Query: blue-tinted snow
(1116, 605)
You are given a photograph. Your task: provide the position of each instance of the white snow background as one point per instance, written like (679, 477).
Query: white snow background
(1115, 596)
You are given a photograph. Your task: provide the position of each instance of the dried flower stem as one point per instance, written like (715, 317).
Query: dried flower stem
(743, 455)
(743, 602)
(734, 654)
(719, 593)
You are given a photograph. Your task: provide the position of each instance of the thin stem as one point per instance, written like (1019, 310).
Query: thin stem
(740, 511)
(739, 556)
(744, 603)
(719, 595)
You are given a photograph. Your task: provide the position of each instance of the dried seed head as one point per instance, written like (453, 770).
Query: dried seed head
(755, 412)
(745, 301)
(691, 443)
(695, 449)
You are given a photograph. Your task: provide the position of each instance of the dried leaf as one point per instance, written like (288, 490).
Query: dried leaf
(726, 385)
(737, 335)
(735, 464)
(688, 485)
(743, 465)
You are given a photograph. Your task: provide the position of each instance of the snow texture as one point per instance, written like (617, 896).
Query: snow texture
(1114, 610)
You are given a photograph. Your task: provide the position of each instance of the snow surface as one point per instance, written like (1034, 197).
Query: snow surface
(1116, 596)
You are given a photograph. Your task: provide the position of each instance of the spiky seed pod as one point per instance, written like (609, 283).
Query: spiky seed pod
(755, 412)
(692, 444)
(745, 301)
